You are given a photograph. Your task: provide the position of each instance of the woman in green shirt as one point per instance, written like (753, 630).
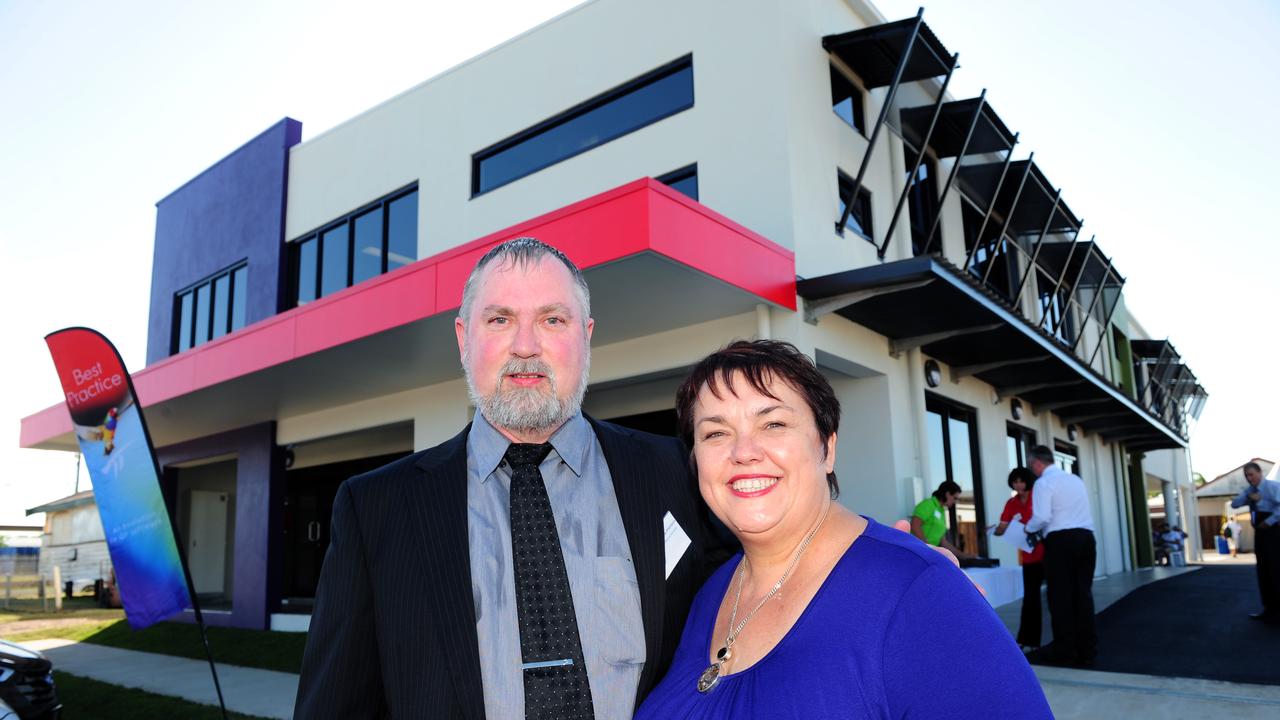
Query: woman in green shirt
(929, 519)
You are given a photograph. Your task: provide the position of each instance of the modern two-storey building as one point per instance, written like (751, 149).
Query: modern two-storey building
(795, 170)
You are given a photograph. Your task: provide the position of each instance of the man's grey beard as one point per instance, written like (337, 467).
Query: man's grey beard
(527, 409)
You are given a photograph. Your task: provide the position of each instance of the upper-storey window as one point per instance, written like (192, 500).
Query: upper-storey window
(860, 216)
(684, 180)
(375, 239)
(210, 308)
(923, 205)
(846, 101)
(645, 100)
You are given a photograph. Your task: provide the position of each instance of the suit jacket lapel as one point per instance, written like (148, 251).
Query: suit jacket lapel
(439, 501)
(641, 510)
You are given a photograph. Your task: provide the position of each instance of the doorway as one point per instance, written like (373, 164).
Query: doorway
(309, 496)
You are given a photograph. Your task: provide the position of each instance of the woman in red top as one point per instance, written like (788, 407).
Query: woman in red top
(1020, 481)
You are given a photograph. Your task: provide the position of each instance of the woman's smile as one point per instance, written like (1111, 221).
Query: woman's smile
(750, 486)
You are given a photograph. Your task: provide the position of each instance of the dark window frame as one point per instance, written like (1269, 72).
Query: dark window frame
(857, 99)
(865, 225)
(581, 109)
(209, 281)
(679, 175)
(1062, 447)
(1024, 436)
(948, 409)
(922, 192)
(293, 248)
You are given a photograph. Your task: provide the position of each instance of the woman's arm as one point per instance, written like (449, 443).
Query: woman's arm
(1004, 525)
(917, 529)
(945, 543)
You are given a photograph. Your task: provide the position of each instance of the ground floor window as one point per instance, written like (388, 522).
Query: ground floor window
(1066, 456)
(1019, 442)
(951, 432)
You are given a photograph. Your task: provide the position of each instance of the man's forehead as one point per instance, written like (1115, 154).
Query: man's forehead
(508, 270)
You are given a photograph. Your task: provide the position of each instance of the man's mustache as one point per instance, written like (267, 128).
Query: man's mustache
(529, 366)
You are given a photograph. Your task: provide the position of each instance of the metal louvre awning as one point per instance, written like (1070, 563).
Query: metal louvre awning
(1025, 197)
(874, 52)
(927, 303)
(990, 134)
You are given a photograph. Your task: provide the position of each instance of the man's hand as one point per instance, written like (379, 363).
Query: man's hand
(1255, 496)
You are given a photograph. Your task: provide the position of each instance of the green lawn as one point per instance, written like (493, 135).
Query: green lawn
(235, 646)
(83, 622)
(85, 698)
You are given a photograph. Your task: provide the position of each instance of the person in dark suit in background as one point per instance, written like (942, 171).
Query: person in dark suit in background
(1262, 496)
(540, 564)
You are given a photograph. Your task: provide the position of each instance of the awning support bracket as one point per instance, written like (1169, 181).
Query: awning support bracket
(901, 345)
(815, 310)
(1005, 393)
(959, 372)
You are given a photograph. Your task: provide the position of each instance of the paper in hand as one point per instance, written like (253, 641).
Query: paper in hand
(1016, 535)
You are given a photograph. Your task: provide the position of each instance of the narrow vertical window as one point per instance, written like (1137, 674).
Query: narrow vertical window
(202, 313)
(860, 217)
(307, 264)
(184, 321)
(367, 252)
(402, 231)
(239, 293)
(335, 252)
(221, 305)
(846, 101)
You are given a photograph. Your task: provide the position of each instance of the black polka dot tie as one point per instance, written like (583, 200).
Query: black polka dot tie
(555, 675)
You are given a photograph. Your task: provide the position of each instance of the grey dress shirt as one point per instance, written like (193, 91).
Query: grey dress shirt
(606, 596)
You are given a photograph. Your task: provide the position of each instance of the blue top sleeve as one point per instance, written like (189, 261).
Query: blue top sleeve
(945, 653)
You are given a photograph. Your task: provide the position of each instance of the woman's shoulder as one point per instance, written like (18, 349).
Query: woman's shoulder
(892, 564)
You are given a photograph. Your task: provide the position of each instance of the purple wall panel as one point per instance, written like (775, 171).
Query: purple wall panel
(258, 562)
(231, 212)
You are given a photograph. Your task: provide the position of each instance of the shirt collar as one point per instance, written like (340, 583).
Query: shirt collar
(1051, 470)
(487, 446)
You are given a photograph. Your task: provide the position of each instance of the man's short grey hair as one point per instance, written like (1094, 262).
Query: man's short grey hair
(523, 252)
(1042, 453)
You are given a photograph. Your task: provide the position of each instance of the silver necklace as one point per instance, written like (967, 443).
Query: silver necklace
(710, 677)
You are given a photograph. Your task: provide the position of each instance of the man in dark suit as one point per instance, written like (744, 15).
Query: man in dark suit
(539, 564)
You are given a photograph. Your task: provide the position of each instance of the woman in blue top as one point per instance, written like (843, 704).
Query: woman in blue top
(826, 614)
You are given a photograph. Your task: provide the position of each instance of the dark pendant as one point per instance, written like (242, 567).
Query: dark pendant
(709, 679)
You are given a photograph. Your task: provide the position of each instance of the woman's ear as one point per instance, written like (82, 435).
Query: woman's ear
(830, 454)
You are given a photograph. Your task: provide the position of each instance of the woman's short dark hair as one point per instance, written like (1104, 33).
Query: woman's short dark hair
(760, 362)
(1023, 474)
(945, 487)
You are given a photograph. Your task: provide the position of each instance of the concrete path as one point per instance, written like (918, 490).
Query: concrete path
(264, 693)
(1088, 695)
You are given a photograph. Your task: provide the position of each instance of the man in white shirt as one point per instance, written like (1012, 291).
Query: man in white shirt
(1060, 513)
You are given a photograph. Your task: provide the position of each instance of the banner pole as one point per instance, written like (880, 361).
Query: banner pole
(177, 538)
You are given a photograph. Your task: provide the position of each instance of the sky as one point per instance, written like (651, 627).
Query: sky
(1154, 118)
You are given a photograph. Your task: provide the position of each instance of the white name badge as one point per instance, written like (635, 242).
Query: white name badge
(676, 542)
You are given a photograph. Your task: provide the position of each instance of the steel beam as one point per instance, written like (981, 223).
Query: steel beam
(920, 153)
(884, 113)
(955, 170)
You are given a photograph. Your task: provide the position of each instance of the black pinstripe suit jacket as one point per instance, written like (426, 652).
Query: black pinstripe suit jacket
(394, 629)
